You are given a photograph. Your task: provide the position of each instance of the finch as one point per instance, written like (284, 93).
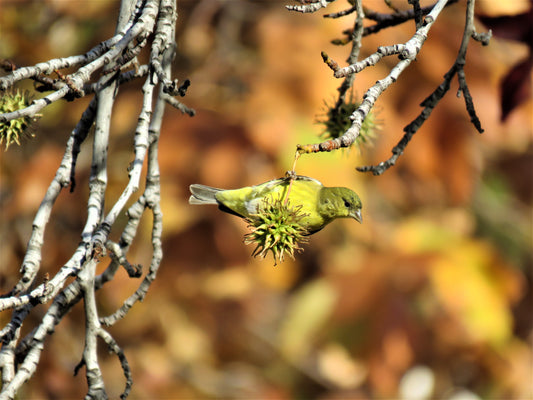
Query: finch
(319, 204)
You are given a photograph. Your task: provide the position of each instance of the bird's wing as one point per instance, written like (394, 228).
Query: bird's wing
(246, 201)
(307, 178)
(276, 185)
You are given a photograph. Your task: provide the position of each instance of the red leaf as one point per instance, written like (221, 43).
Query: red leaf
(513, 27)
(516, 86)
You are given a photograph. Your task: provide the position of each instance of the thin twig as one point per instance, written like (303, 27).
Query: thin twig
(431, 101)
(311, 7)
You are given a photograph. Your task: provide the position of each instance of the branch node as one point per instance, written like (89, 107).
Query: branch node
(483, 37)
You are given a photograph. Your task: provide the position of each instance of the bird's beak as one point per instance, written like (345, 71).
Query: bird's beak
(357, 216)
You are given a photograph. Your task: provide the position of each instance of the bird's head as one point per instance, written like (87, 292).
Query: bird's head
(339, 202)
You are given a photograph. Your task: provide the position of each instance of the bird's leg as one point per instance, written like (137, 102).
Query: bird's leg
(289, 175)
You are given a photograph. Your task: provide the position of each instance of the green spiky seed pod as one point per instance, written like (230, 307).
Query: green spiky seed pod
(336, 121)
(276, 228)
(13, 131)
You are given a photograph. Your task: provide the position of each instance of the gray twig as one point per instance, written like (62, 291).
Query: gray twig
(432, 100)
(311, 7)
(407, 52)
(424, 18)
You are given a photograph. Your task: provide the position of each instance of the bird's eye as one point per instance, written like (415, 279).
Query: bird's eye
(347, 204)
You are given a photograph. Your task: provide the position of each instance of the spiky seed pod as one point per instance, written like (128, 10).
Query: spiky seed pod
(276, 228)
(336, 122)
(13, 131)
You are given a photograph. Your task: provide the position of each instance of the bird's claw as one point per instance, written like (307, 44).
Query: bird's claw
(290, 175)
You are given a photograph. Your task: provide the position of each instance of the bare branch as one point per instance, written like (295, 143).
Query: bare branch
(178, 105)
(93, 372)
(49, 67)
(373, 59)
(115, 348)
(431, 101)
(342, 13)
(311, 7)
(384, 20)
(408, 53)
(137, 21)
(74, 83)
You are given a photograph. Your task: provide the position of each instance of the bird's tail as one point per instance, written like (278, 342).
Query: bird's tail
(202, 194)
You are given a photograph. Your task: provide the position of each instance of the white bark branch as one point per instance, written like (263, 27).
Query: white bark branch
(137, 22)
(408, 52)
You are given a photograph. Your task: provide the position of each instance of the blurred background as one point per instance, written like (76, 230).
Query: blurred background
(431, 297)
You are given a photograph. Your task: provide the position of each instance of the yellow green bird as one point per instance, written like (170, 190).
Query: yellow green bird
(319, 204)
